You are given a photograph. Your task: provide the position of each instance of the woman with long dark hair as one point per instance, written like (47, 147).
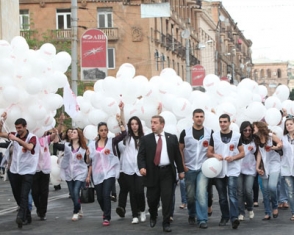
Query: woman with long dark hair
(287, 162)
(248, 171)
(74, 169)
(268, 166)
(105, 166)
(130, 170)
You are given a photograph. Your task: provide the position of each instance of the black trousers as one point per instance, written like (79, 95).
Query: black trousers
(123, 191)
(40, 192)
(162, 190)
(21, 186)
(137, 195)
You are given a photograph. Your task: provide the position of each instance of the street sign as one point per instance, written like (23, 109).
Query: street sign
(94, 58)
(198, 74)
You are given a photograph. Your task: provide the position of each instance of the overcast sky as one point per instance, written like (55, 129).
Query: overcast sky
(268, 23)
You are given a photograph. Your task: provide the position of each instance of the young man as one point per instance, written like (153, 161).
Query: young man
(226, 146)
(158, 154)
(193, 146)
(24, 163)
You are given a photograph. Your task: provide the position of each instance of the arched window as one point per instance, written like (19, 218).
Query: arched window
(268, 73)
(279, 73)
(262, 73)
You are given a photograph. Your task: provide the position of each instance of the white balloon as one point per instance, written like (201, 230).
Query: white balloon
(183, 124)
(168, 101)
(211, 167)
(273, 102)
(113, 125)
(33, 86)
(244, 97)
(37, 112)
(53, 101)
(97, 115)
(273, 116)
(47, 51)
(210, 82)
(211, 121)
(255, 111)
(182, 107)
(262, 91)
(110, 106)
(61, 61)
(234, 127)
(5, 49)
(226, 108)
(11, 94)
(169, 117)
(171, 129)
(184, 90)
(90, 132)
(287, 105)
(282, 92)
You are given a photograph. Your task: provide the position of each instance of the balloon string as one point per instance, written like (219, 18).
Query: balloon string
(4, 125)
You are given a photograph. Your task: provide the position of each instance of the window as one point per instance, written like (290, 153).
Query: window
(104, 18)
(111, 58)
(279, 73)
(63, 19)
(262, 73)
(24, 19)
(269, 73)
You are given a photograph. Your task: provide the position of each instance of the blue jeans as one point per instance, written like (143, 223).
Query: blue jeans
(30, 201)
(289, 180)
(103, 192)
(282, 193)
(221, 185)
(196, 189)
(270, 192)
(245, 184)
(183, 191)
(74, 187)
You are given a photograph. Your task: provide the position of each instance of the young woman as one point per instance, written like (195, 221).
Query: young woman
(105, 166)
(248, 171)
(268, 166)
(130, 170)
(74, 169)
(287, 162)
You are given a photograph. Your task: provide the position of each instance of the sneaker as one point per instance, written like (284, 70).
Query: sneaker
(171, 219)
(223, 222)
(135, 220)
(183, 206)
(81, 213)
(241, 217)
(251, 214)
(191, 220)
(113, 198)
(75, 217)
(235, 223)
(143, 216)
(106, 222)
(120, 211)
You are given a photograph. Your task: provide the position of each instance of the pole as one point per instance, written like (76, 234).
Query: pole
(74, 42)
(188, 69)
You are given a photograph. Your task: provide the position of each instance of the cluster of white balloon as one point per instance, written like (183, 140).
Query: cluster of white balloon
(29, 80)
(142, 98)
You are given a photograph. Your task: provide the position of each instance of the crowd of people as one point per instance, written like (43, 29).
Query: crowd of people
(156, 161)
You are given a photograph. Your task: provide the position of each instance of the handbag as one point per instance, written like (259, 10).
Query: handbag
(87, 194)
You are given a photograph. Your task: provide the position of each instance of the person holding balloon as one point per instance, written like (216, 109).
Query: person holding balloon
(40, 187)
(74, 168)
(248, 171)
(23, 166)
(268, 166)
(287, 161)
(193, 146)
(104, 165)
(226, 146)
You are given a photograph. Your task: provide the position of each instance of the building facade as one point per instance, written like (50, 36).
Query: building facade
(271, 74)
(193, 34)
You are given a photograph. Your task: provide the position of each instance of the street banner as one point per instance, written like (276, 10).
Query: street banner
(198, 74)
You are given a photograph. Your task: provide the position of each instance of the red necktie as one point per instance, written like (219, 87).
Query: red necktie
(158, 151)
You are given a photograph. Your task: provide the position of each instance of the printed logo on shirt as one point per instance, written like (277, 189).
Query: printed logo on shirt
(205, 143)
(79, 156)
(232, 147)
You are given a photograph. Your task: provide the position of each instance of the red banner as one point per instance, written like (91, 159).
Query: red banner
(198, 74)
(94, 46)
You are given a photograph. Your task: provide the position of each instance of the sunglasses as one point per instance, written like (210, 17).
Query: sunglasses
(247, 130)
(289, 116)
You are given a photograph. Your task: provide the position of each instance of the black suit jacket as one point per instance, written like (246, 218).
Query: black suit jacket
(146, 156)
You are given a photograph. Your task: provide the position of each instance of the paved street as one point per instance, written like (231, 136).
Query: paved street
(60, 212)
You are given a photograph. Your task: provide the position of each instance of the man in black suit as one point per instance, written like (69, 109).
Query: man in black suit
(158, 169)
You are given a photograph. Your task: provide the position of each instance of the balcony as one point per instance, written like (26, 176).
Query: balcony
(61, 34)
(111, 33)
(27, 34)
